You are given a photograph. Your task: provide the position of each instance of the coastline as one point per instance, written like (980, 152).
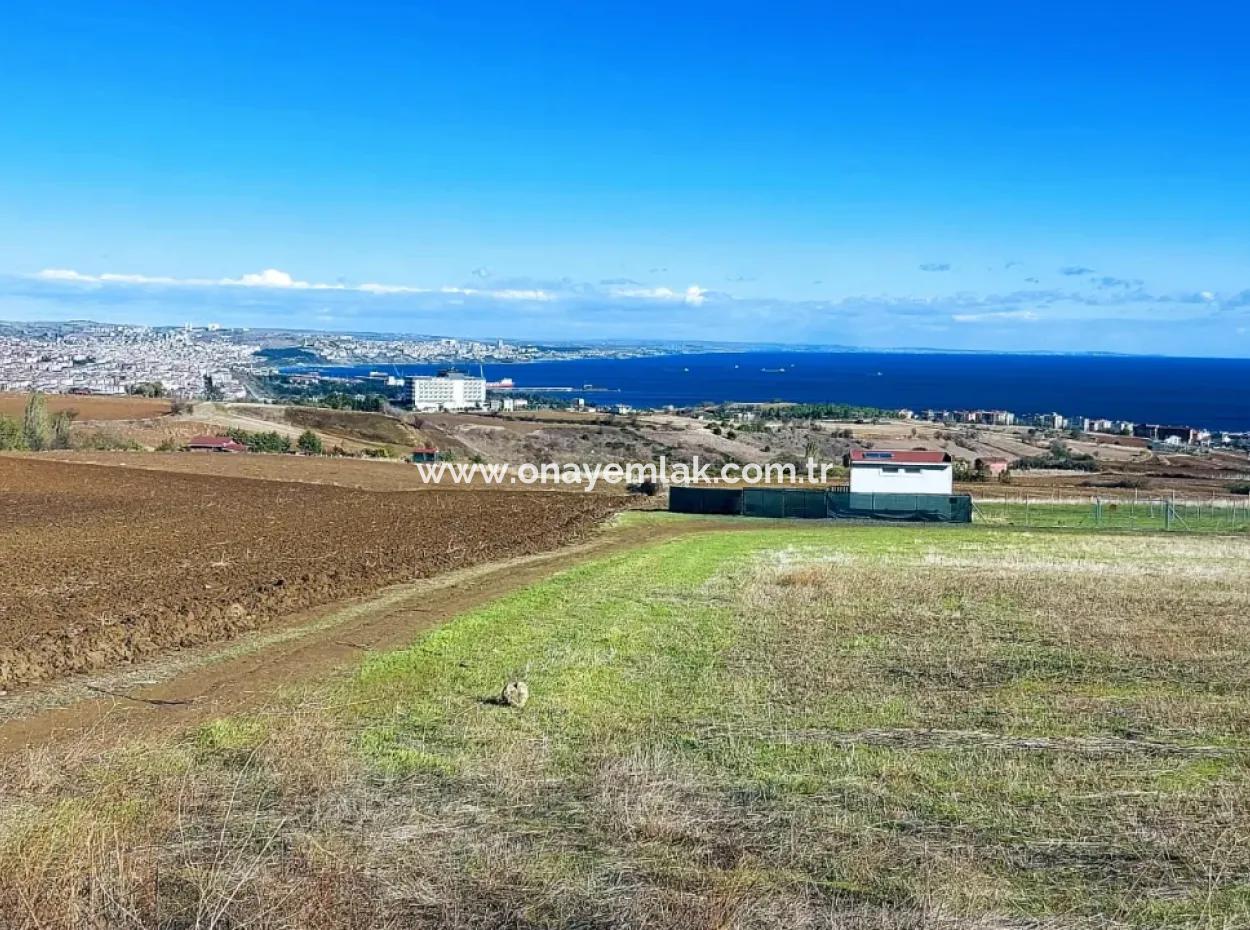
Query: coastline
(1156, 389)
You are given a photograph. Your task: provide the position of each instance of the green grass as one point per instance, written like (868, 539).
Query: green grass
(873, 726)
(872, 690)
(1144, 516)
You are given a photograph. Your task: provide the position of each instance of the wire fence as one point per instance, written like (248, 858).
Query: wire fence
(1215, 514)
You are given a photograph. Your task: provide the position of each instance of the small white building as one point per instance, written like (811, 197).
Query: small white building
(448, 390)
(900, 471)
(506, 404)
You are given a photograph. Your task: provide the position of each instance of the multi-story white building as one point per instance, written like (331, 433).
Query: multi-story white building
(448, 390)
(991, 417)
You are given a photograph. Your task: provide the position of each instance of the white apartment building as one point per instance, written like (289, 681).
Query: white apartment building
(448, 390)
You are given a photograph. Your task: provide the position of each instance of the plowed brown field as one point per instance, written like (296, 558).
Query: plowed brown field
(88, 406)
(100, 566)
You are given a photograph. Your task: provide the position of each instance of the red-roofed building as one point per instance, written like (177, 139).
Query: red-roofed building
(900, 471)
(993, 467)
(214, 444)
(909, 456)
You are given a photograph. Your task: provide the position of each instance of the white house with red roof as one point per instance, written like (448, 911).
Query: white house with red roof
(900, 471)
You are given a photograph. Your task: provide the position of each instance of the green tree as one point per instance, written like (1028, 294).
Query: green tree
(36, 425)
(146, 389)
(12, 437)
(310, 443)
(211, 391)
(271, 441)
(61, 423)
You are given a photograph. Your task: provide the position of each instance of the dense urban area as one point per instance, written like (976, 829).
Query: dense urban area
(202, 361)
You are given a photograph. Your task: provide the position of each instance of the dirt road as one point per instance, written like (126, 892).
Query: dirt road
(92, 712)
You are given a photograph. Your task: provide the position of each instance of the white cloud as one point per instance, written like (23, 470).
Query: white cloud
(63, 274)
(280, 280)
(1026, 316)
(391, 289)
(621, 307)
(502, 294)
(270, 277)
(693, 295)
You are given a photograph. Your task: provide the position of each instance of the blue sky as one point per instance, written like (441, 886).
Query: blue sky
(970, 175)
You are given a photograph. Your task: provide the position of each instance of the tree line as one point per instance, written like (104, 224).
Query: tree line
(309, 443)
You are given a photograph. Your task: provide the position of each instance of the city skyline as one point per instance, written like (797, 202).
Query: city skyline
(991, 179)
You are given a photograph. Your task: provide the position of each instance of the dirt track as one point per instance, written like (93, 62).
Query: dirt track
(103, 566)
(90, 712)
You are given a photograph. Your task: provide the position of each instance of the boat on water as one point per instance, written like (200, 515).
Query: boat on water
(773, 371)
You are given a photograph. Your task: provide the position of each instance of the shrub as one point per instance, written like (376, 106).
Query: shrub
(1059, 456)
(310, 443)
(61, 430)
(647, 487)
(1130, 483)
(271, 441)
(12, 437)
(106, 440)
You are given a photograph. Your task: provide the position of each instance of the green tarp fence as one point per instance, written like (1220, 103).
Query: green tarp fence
(785, 502)
(935, 508)
(705, 500)
(821, 504)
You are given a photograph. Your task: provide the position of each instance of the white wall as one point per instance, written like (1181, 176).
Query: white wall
(886, 478)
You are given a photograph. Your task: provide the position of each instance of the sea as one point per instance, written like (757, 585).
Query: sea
(1209, 393)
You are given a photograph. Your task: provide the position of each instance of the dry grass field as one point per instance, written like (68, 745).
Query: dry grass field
(88, 406)
(864, 727)
(354, 424)
(100, 566)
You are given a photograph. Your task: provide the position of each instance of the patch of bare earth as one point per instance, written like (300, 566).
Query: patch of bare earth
(100, 566)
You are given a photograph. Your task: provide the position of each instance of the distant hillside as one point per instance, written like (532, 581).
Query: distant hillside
(353, 424)
(290, 355)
